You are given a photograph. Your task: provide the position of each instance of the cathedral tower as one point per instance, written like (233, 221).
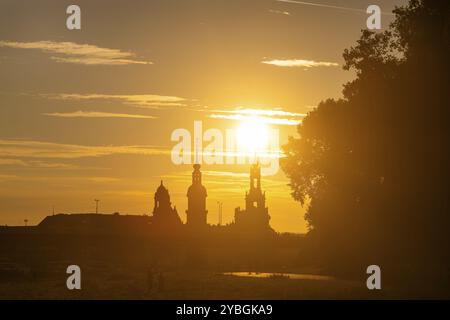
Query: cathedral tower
(196, 212)
(255, 198)
(163, 213)
(256, 214)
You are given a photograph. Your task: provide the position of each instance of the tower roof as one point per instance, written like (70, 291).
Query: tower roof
(162, 190)
(197, 187)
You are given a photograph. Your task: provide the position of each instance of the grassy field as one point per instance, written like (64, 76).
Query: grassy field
(34, 267)
(101, 282)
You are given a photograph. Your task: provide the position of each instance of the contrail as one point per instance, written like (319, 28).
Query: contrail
(328, 6)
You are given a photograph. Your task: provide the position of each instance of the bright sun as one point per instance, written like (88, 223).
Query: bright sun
(253, 137)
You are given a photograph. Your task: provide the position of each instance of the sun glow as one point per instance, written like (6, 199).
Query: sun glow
(253, 136)
(267, 116)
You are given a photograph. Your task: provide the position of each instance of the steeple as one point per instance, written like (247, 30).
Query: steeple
(196, 212)
(196, 175)
(255, 177)
(256, 214)
(255, 198)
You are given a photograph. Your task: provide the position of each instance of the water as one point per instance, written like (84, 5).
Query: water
(278, 275)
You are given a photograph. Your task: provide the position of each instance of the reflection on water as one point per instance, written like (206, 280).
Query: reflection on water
(294, 276)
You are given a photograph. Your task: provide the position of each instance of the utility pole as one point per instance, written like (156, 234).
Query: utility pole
(220, 212)
(96, 205)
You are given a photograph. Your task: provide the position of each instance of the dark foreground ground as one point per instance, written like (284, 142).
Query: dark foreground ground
(107, 282)
(33, 266)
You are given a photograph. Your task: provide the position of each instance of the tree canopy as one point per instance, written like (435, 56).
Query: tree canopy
(373, 167)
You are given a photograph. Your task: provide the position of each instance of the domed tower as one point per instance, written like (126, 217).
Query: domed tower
(162, 198)
(163, 213)
(196, 212)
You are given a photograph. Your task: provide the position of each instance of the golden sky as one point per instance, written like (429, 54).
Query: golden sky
(88, 114)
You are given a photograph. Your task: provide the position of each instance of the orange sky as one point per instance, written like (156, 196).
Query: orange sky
(88, 114)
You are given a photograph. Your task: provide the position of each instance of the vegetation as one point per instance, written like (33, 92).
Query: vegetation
(373, 167)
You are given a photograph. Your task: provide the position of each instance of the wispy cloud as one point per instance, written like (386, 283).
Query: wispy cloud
(96, 114)
(285, 13)
(226, 174)
(40, 149)
(229, 183)
(267, 120)
(263, 112)
(63, 179)
(187, 175)
(103, 179)
(36, 164)
(7, 177)
(12, 162)
(299, 63)
(276, 116)
(140, 100)
(322, 5)
(86, 54)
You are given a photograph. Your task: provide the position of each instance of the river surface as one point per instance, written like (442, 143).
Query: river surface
(293, 276)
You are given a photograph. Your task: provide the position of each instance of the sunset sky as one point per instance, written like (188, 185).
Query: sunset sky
(88, 114)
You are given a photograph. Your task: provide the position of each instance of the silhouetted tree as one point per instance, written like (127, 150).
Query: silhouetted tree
(373, 167)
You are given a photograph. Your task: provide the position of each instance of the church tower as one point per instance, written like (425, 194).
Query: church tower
(255, 198)
(196, 212)
(255, 217)
(161, 199)
(163, 213)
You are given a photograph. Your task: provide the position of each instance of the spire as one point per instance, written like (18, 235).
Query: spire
(196, 174)
(255, 176)
(161, 189)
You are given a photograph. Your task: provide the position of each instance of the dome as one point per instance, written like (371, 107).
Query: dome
(197, 189)
(161, 190)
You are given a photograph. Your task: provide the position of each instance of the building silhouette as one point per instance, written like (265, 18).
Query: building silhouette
(96, 224)
(196, 194)
(254, 219)
(256, 214)
(163, 213)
